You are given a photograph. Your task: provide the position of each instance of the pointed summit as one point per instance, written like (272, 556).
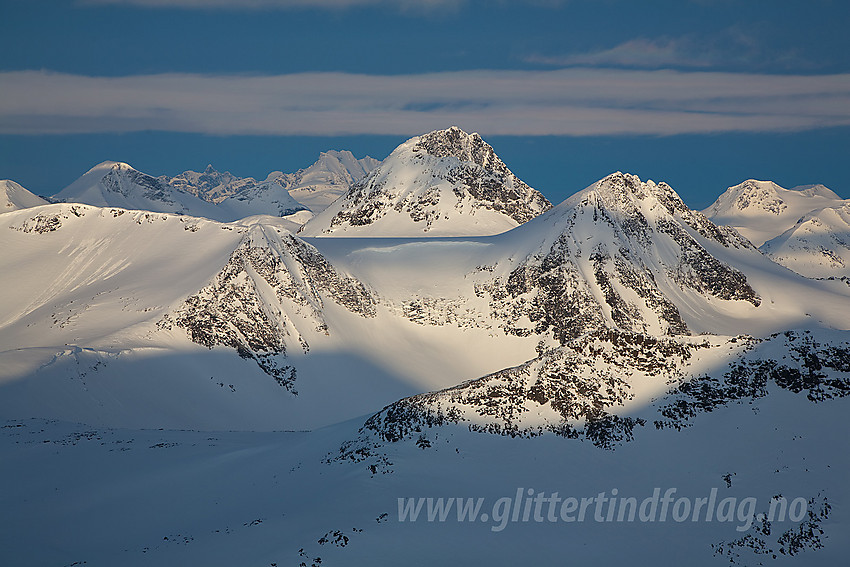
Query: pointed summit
(629, 255)
(444, 183)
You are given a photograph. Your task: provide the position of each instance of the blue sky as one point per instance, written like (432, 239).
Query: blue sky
(699, 93)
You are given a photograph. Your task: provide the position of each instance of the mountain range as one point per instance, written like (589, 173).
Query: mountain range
(427, 326)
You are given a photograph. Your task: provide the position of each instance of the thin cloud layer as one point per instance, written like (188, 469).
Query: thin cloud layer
(572, 102)
(641, 52)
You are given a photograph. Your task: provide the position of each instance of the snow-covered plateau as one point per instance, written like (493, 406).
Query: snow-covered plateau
(421, 362)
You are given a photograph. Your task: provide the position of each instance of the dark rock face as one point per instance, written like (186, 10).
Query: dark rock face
(236, 311)
(551, 293)
(576, 386)
(703, 272)
(483, 175)
(813, 369)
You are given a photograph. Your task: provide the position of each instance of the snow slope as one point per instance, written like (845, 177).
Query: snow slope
(128, 318)
(13, 197)
(445, 183)
(762, 210)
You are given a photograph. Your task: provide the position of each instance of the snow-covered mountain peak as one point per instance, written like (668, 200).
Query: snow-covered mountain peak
(14, 197)
(323, 182)
(625, 254)
(112, 177)
(762, 210)
(817, 246)
(445, 183)
(118, 184)
(618, 189)
(632, 209)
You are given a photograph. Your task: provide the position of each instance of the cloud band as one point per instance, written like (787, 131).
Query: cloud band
(573, 102)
